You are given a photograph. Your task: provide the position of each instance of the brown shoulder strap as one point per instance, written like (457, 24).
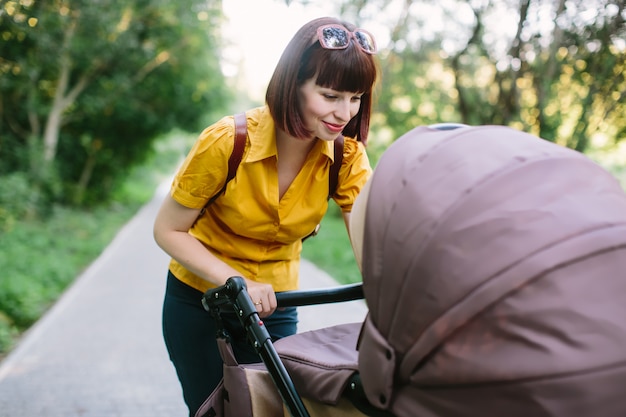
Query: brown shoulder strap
(333, 177)
(241, 131)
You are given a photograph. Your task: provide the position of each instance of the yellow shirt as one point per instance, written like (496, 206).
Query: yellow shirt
(248, 227)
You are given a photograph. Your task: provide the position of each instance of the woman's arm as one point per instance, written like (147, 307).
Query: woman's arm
(171, 233)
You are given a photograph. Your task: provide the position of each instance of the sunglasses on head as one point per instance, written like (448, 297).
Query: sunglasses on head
(338, 37)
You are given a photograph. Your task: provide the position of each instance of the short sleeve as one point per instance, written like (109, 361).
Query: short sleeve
(204, 170)
(354, 173)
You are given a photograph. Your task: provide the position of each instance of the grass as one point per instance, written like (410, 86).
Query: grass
(331, 251)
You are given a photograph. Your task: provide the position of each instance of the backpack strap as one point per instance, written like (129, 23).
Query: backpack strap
(333, 177)
(241, 132)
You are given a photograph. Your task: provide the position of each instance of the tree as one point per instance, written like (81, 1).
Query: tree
(87, 85)
(554, 68)
(562, 76)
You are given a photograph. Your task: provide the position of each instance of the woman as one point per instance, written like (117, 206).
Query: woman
(320, 89)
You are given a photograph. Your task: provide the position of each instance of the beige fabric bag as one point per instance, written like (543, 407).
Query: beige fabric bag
(245, 391)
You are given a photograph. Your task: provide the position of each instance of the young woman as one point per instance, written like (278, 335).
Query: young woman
(320, 89)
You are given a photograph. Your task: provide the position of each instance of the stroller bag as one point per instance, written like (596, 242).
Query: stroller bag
(245, 390)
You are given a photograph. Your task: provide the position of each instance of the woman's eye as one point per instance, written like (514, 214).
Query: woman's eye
(330, 96)
(356, 98)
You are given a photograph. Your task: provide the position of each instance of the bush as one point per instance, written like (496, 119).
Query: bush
(18, 198)
(8, 332)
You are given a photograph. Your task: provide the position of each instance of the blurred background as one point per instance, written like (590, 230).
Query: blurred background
(100, 100)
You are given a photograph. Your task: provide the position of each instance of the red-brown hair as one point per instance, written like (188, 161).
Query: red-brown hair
(348, 69)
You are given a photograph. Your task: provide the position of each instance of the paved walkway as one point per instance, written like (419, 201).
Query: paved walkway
(99, 351)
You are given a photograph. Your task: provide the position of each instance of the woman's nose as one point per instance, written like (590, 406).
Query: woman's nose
(342, 111)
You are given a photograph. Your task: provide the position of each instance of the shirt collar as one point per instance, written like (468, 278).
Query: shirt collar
(328, 148)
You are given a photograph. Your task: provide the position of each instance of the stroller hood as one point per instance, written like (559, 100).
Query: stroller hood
(494, 269)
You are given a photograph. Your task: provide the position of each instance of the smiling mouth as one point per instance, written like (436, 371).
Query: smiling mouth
(333, 127)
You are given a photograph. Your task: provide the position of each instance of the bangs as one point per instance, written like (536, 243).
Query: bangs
(342, 70)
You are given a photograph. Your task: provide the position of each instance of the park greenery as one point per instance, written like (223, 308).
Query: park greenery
(99, 99)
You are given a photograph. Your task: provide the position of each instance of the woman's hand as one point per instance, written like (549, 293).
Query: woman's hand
(262, 296)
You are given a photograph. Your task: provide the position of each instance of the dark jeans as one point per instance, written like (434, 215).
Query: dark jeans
(189, 332)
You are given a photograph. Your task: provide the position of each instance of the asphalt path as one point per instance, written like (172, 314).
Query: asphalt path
(99, 351)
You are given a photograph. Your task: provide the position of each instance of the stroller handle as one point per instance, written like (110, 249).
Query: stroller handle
(227, 293)
(340, 293)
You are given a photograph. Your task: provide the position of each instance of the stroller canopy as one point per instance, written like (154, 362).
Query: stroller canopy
(494, 269)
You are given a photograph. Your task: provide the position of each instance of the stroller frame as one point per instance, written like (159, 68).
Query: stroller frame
(234, 294)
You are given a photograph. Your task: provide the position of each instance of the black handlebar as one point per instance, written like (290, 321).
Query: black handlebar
(329, 295)
(233, 291)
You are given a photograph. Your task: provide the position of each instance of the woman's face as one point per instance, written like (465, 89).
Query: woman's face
(326, 111)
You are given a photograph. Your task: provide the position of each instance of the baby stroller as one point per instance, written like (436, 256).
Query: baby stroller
(494, 271)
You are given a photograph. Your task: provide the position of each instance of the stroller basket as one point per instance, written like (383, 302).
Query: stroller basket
(233, 296)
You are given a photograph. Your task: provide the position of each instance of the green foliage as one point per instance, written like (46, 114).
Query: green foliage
(8, 333)
(17, 198)
(86, 86)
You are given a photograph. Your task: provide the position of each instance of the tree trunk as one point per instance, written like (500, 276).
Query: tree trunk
(85, 177)
(62, 101)
(59, 104)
